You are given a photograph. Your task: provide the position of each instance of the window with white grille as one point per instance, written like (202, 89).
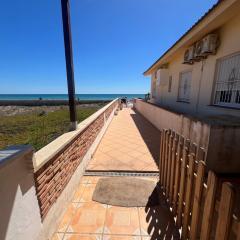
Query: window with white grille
(227, 83)
(184, 88)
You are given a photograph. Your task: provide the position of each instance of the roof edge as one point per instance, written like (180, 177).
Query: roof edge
(146, 73)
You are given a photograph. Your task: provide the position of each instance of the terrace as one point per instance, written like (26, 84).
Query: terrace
(130, 144)
(143, 173)
(55, 188)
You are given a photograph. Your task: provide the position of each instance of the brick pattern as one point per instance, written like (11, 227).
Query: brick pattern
(51, 179)
(109, 110)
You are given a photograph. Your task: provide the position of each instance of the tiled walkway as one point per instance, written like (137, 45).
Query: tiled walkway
(131, 143)
(85, 219)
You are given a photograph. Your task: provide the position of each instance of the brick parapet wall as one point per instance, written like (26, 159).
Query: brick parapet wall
(53, 176)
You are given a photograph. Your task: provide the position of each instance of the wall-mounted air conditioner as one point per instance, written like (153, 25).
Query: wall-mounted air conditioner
(189, 55)
(162, 77)
(201, 49)
(198, 50)
(210, 44)
(158, 79)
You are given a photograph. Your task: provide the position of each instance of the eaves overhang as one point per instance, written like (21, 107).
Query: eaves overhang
(213, 18)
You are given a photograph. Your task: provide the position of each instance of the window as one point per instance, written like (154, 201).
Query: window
(170, 84)
(227, 82)
(184, 86)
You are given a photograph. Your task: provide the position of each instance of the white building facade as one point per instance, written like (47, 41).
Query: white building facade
(200, 73)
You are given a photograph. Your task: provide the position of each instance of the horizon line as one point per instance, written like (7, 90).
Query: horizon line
(62, 93)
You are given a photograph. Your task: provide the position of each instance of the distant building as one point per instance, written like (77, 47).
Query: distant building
(200, 73)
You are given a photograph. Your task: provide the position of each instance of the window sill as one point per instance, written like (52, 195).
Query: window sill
(181, 101)
(221, 106)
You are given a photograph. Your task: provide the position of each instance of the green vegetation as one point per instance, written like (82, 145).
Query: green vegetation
(38, 129)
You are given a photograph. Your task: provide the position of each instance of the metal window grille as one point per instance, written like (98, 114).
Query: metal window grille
(184, 88)
(227, 86)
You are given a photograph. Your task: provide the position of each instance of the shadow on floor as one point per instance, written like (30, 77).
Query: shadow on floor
(150, 134)
(160, 219)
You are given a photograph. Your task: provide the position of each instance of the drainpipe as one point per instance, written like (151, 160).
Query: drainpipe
(69, 62)
(199, 86)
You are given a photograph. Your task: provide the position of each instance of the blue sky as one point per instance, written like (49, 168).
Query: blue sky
(114, 41)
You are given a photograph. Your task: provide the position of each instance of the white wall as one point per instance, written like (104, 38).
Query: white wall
(221, 143)
(204, 80)
(193, 129)
(19, 211)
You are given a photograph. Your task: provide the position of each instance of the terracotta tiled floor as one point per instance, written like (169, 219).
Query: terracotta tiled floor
(130, 143)
(85, 219)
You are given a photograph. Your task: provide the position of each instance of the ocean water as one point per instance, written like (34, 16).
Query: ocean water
(65, 96)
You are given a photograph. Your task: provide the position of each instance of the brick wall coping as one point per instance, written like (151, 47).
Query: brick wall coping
(46, 153)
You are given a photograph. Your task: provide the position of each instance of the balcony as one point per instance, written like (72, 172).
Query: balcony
(52, 193)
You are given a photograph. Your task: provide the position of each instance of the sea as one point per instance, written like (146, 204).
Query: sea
(65, 96)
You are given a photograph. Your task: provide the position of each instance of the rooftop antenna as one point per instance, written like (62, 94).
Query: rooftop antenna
(69, 62)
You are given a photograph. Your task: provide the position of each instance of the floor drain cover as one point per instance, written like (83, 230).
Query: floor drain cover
(122, 174)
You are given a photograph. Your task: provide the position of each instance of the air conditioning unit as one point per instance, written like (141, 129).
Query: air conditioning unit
(162, 77)
(189, 55)
(210, 44)
(198, 50)
(158, 77)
